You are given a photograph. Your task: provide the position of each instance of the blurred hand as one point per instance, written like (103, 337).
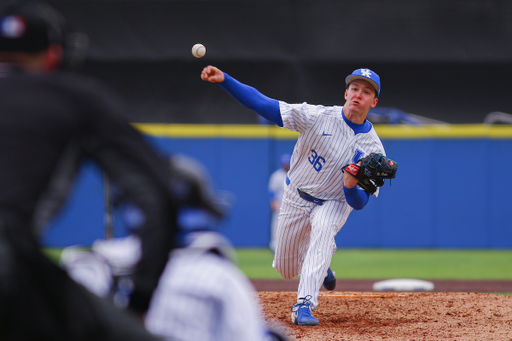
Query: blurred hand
(274, 205)
(212, 74)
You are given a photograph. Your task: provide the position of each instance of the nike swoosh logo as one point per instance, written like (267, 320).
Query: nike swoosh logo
(324, 134)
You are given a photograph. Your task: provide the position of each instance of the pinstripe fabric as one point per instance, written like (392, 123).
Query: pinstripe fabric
(305, 236)
(323, 130)
(202, 296)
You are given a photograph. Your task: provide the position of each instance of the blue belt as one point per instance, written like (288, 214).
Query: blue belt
(306, 196)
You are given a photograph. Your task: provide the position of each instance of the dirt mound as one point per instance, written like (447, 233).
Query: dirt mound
(353, 315)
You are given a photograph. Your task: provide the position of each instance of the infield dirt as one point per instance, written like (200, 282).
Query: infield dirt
(368, 315)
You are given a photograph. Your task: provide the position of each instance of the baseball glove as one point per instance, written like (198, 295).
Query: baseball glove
(371, 171)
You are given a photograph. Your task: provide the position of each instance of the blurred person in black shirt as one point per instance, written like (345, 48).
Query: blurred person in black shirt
(50, 121)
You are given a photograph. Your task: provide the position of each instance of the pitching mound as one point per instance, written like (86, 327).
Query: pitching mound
(401, 316)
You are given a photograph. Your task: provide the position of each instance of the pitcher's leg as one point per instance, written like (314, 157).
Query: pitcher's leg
(326, 221)
(292, 237)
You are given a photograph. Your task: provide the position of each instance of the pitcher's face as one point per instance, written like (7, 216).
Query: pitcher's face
(360, 97)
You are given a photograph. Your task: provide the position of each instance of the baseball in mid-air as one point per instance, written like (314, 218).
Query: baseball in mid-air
(198, 50)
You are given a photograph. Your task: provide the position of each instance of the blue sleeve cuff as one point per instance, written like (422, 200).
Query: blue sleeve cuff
(252, 99)
(356, 198)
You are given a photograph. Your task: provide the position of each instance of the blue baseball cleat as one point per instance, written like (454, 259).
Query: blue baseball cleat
(301, 313)
(330, 280)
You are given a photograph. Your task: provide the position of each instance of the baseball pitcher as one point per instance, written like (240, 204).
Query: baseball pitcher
(338, 162)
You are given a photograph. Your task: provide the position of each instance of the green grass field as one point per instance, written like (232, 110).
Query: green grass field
(391, 263)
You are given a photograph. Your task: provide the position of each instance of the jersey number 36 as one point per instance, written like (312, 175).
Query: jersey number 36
(316, 160)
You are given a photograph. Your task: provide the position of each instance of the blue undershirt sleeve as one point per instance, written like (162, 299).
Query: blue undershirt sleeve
(252, 99)
(356, 198)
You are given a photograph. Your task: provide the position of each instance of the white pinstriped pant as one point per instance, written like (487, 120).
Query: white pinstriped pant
(305, 240)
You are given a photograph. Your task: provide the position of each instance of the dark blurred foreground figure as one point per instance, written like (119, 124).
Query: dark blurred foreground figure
(202, 294)
(50, 122)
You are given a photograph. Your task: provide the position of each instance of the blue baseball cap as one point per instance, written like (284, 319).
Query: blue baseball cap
(367, 75)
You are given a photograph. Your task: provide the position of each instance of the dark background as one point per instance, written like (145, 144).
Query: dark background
(446, 60)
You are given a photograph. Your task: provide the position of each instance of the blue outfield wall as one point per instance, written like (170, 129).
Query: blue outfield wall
(452, 188)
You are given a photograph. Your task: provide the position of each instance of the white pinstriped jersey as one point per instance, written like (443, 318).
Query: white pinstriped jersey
(202, 296)
(326, 144)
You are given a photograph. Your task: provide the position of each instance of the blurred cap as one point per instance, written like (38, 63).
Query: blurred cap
(367, 75)
(192, 185)
(30, 27)
(285, 159)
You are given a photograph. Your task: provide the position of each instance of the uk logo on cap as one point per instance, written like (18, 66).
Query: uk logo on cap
(367, 75)
(12, 27)
(366, 72)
